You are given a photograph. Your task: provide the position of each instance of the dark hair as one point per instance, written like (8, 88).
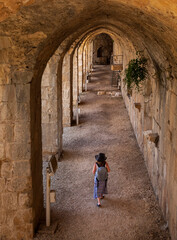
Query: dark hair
(101, 164)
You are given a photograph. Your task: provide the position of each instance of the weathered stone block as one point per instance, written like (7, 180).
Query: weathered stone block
(6, 169)
(2, 151)
(2, 132)
(29, 230)
(7, 111)
(22, 169)
(9, 201)
(4, 111)
(22, 112)
(3, 216)
(2, 184)
(50, 117)
(22, 77)
(45, 79)
(19, 184)
(174, 156)
(52, 92)
(49, 106)
(25, 234)
(36, 37)
(4, 58)
(15, 151)
(173, 104)
(22, 132)
(23, 216)
(5, 77)
(7, 233)
(24, 200)
(23, 93)
(10, 218)
(9, 133)
(44, 93)
(7, 92)
(5, 42)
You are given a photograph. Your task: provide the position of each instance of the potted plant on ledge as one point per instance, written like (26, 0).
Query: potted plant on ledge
(136, 73)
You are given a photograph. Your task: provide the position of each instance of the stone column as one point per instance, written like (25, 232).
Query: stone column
(84, 66)
(89, 56)
(75, 82)
(51, 133)
(16, 212)
(80, 70)
(66, 91)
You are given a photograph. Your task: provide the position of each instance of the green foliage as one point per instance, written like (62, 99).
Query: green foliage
(136, 72)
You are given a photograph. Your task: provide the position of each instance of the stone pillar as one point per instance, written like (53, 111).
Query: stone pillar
(84, 67)
(75, 80)
(16, 210)
(89, 56)
(80, 70)
(86, 59)
(51, 112)
(66, 91)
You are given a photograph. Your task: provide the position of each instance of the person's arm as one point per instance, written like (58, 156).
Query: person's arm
(107, 166)
(94, 168)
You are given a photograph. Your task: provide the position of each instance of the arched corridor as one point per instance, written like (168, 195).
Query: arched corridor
(130, 210)
(48, 53)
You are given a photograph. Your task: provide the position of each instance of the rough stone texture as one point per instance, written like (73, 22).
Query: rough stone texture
(66, 91)
(75, 83)
(158, 115)
(102, 49)
(80, 73)
(84, 67)
(15, 152)
(51, 111)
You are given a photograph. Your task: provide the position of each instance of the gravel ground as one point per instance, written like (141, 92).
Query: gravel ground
(130, 210)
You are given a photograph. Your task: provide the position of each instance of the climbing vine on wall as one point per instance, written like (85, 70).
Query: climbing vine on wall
(136, 72)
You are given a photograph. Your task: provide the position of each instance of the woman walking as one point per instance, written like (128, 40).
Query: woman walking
(100, 170)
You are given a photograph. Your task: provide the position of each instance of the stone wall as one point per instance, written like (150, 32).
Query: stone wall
(156, 117)
(102, 49)
(51, 112)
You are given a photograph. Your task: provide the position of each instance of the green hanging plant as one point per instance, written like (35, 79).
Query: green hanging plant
(136, 72)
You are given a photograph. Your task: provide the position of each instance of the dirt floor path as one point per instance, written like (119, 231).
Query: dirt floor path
(130, 210)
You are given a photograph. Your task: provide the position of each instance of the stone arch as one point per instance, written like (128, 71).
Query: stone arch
(68, 46)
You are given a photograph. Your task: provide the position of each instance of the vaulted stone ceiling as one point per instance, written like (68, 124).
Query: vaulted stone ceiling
(39, 26)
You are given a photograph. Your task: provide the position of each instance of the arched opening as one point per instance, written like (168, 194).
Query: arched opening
(102, 49)
(81, 82)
